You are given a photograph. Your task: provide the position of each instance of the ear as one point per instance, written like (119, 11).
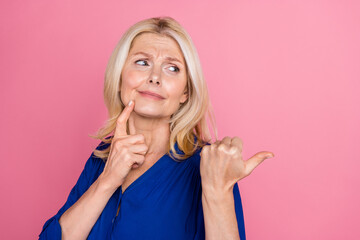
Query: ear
(184, 96)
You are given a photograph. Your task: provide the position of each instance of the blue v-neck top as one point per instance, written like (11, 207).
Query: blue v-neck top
(163, 203)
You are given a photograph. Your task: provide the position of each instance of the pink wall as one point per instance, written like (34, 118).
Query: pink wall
(283, 76)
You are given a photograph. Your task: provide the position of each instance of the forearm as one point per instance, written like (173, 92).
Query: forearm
(78, 220)
(219, 216)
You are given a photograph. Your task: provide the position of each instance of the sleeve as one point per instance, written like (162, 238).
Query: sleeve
(239, 212)
(200, 233)
(52, 229)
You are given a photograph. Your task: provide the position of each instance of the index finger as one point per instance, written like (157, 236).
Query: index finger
(237, 141)
(120, 129)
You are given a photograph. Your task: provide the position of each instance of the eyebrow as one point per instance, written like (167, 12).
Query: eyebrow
(149, 56)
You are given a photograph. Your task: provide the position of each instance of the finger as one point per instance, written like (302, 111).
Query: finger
(139, 148)
(131, 139)
(120, 129)
(135, 165)
(131, 123)
(226, 141)
(237, 142)
(224, 144)
(138, 159)
(214, 145)
(254, 161)
(217, 142)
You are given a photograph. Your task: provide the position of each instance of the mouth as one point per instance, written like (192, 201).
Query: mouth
(151, 95)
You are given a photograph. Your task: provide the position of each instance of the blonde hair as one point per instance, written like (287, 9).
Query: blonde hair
(190, 120)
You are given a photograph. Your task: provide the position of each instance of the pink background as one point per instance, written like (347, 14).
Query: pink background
(283, 76)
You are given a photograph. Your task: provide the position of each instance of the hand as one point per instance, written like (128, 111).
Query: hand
(126, 151)
(222, 166)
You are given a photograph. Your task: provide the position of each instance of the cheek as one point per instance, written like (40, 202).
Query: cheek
(177, 88)
(130, 82)
(175, 93)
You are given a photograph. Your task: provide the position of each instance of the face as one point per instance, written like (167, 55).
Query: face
(154, 76)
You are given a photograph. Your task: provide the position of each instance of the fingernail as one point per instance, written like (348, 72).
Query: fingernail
(130, 103)
(269, 156)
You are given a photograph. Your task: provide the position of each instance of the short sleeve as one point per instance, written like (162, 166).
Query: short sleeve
(239, 212)
(52, 229)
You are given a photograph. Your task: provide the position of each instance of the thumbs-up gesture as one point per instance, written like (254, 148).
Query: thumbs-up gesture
(126, 151)
(221, 164)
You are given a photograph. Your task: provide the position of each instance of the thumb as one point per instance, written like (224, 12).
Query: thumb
(255, 161)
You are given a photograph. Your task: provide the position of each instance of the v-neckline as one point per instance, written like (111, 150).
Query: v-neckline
(141, 177)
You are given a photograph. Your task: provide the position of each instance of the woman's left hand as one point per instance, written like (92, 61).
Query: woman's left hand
(221, 164)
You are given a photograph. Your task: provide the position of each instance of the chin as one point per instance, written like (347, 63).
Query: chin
(148, 113)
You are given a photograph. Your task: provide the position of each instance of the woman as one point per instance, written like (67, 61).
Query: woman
(146, 180)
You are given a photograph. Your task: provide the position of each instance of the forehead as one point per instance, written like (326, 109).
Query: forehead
(154, 43)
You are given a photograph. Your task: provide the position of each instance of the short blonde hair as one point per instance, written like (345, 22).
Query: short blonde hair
(188, 125)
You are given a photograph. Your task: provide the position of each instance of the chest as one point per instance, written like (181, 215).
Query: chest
(136, 173)
(160, 210)
(160, 201)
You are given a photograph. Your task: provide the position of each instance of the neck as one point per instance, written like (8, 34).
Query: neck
(156, 132)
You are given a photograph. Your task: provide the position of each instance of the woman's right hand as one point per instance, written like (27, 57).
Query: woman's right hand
(126, 151)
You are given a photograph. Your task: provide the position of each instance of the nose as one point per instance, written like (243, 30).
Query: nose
(155, 77)
(154, 81)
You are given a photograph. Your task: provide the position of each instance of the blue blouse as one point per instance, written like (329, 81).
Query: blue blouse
(163, 203)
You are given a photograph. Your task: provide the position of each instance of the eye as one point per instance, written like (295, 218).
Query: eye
(176, 69)
(144, 61)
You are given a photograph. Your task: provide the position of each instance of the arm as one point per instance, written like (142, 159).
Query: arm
(223, 216)
(221, 167)
(85, 203)
(85, 191)
(78, 220)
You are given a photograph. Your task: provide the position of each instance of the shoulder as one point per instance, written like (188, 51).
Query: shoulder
(196, 157)
(103, 145)
(199, 149)
(95, 165)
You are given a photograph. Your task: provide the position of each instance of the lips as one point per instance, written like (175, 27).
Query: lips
(151, 94)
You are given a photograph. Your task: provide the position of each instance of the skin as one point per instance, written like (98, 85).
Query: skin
(221, 167)
(148, 68)
(221, 164)
(132, 154)
(153, 72)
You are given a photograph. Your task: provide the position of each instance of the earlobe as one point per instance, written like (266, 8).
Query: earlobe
(184, 97)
